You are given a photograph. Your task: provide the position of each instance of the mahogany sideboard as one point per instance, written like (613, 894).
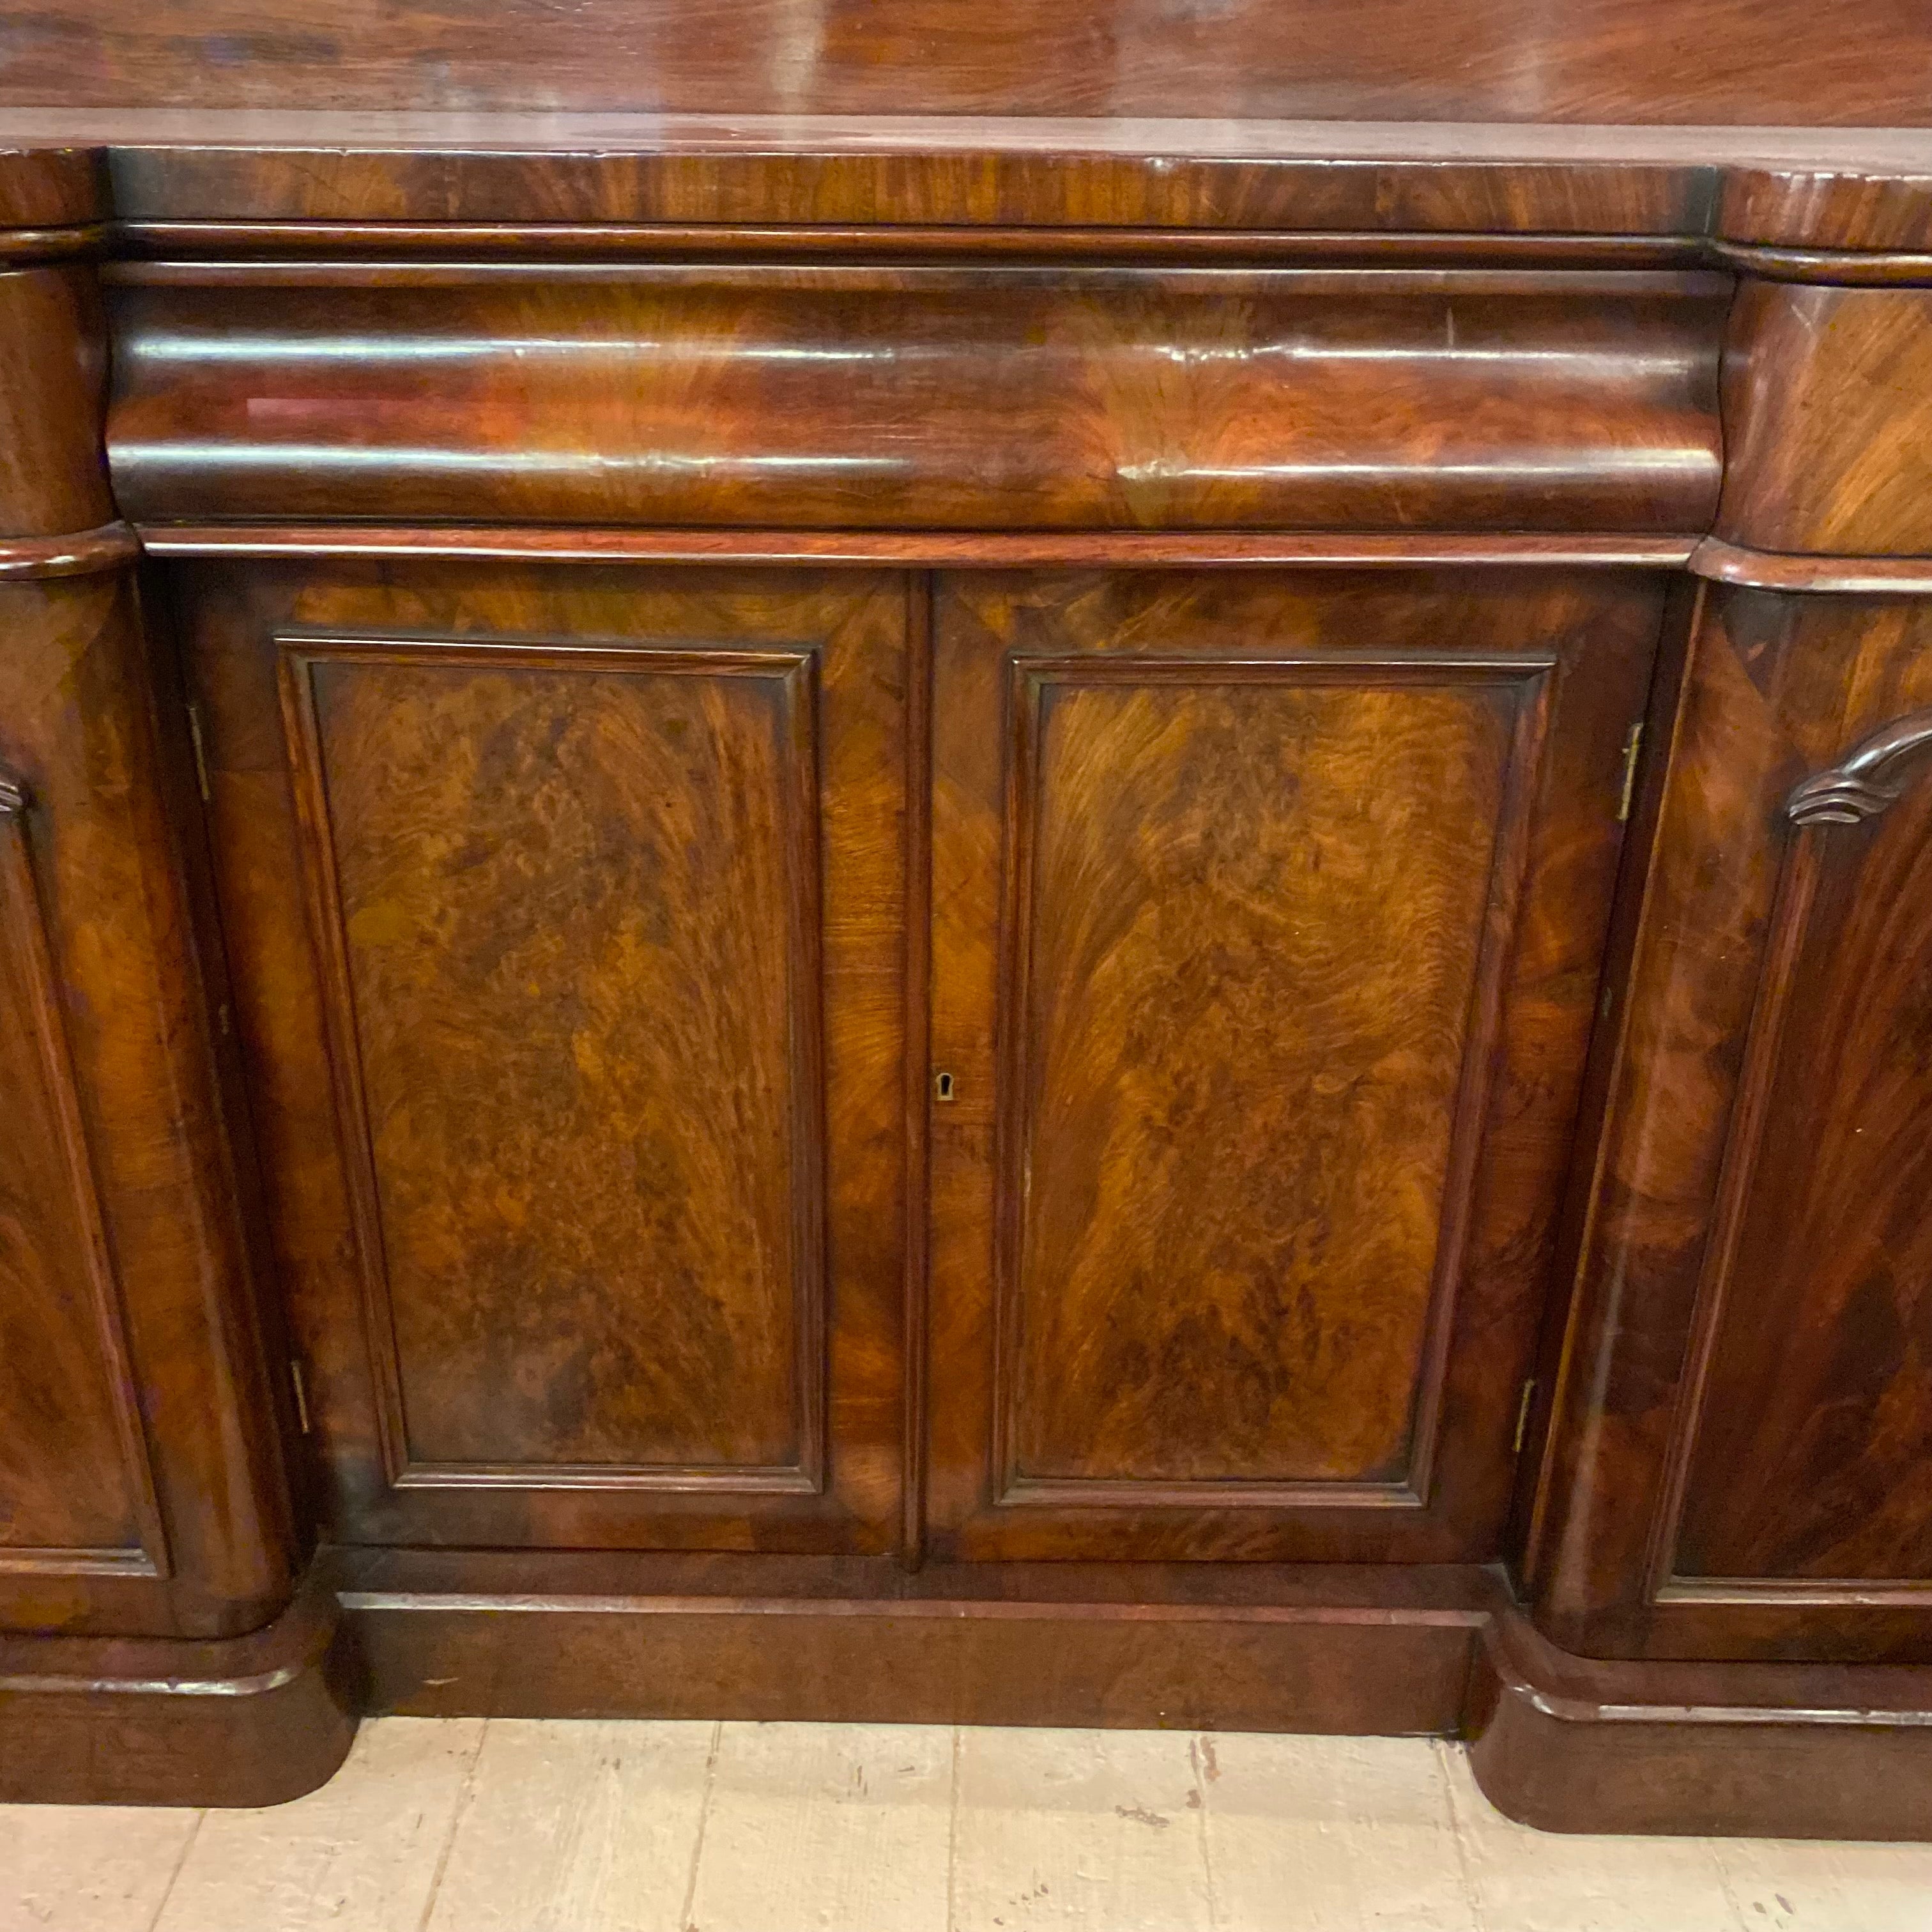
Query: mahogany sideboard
(839, 881)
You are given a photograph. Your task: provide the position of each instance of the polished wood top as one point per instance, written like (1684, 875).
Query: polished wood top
(1760, 123)
(1734, 63)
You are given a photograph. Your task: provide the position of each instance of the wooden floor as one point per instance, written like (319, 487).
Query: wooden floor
(460, 1825)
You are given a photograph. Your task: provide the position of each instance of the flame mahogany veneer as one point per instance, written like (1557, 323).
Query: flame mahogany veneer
(833, 886)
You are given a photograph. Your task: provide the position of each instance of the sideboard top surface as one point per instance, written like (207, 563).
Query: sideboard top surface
(1729, 63)
(1766, 122)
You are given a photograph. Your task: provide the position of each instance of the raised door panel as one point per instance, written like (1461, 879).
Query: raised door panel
(1813, 1456)
(1247, 907)
(1266, 914)
(1742, 1454)
(572, 889)
(141, 1489)
(568, 900)
(77, 1492)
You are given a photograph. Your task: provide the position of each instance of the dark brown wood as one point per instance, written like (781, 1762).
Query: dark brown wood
(52, 371)
(20, 246)
(912, 759)
(1839, 267)
(1763, 570)
(1871, 776)
(145, 1523)
(76, 1482)
(780, 397)
(585, 1249)
(1258, 1648)
(51, 187)
(1773, 64)
(513, 851)
(1807, 1420)
(1394, 183)
(589, 240)
(241, 1720)
(1748, 1460)
(137, 1106)
(1872, 207)
(78, 553)
(971, 170)
(917, 1050)
(1243, 1194)
(1785, 1750)
(1827, 404)
(996, 550)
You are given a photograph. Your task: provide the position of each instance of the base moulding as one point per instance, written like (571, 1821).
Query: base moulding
(1704, 1750)
(1562, 1742)
(250, 1720)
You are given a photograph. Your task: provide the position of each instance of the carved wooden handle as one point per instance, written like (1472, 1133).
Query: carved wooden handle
(1870, 776)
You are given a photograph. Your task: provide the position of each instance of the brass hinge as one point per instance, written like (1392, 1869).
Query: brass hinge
(1523, 1416)
(301, 1393)
(200, 754)
(1633, 744)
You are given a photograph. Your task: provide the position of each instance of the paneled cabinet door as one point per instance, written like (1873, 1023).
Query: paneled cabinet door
(1267, 912)
(77, 1485)
(1744, 1446)
(141, 1490)
(565, 907)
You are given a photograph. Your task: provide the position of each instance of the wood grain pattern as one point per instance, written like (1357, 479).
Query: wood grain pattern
(812, 168)
(1723, 562)
(77, 553)
(1179, 1106)
(209, 243)
(783, 397)
(253, 1719)
(141, 1490)
(1826, 417)
(1775, 64)
(1252, 1647)
(917, 1071)
(52, 375)
(1740, 1479)
(1823, 207)
(1812, 1414)
(567, 901)
(1091, 176)
(1249, 1023)
(1813, 1750)
(76, 1488)
(999, 550)
(582, 1003)
(78, 724)
(21, 246)
(1845, 267)
(550, 181)
(765, 1064)
(49, 186)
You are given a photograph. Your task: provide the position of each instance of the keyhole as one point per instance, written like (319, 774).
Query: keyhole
(942, 1086)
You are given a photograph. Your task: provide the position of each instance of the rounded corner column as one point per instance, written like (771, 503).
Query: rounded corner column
(154, 1644)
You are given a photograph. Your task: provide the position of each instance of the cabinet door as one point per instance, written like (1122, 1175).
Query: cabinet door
(1268, 911)
(76, 1488)
(142, 1492)
(1743, 1446)
(566, 908)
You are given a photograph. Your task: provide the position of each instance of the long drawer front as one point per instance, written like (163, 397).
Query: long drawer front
(920, 397)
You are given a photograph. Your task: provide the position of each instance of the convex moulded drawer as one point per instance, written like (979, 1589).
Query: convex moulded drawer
(798, 397)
